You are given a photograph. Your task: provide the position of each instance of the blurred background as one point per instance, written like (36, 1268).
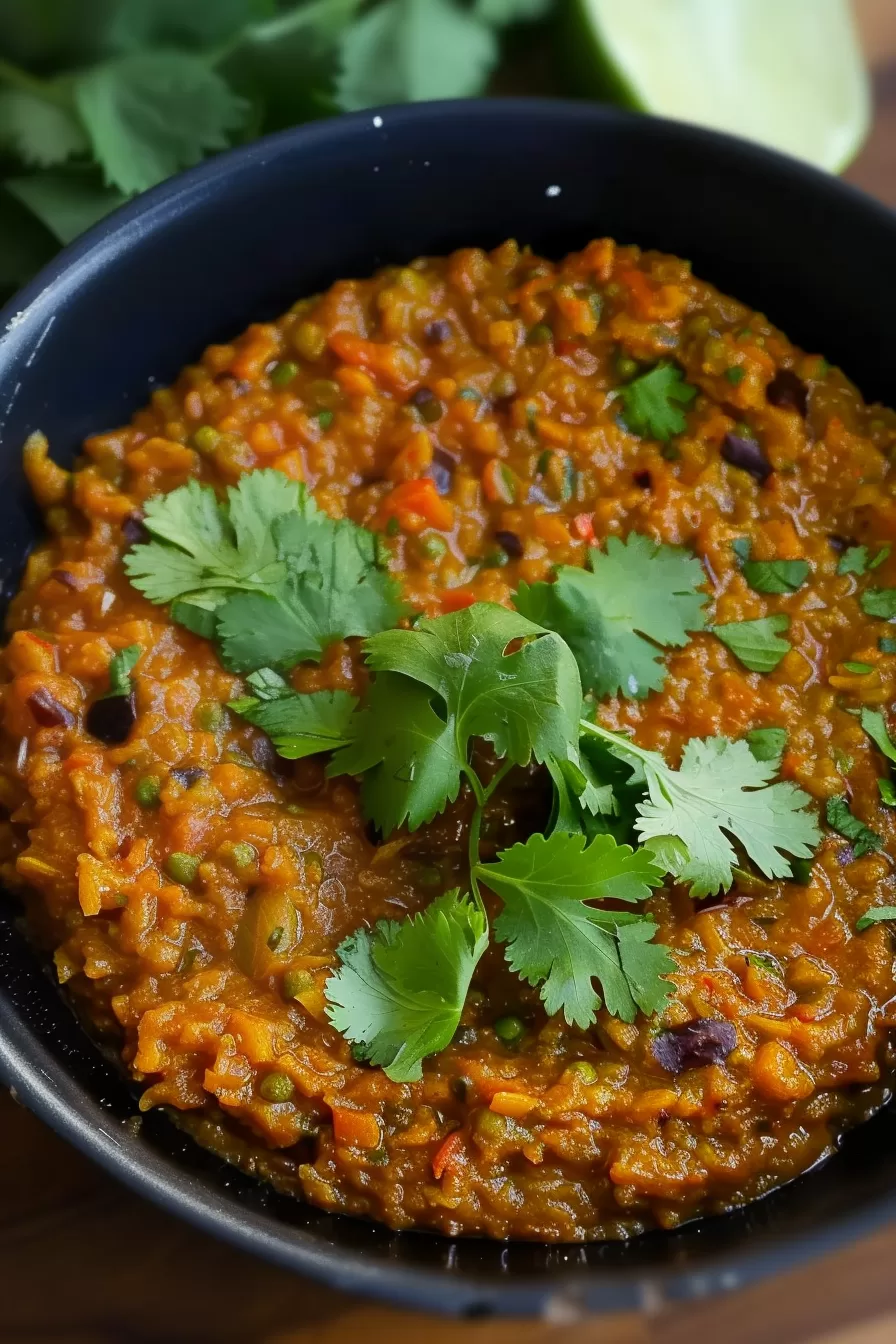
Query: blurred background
(102, 99)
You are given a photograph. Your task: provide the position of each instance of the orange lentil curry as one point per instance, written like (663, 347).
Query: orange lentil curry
(486, 416)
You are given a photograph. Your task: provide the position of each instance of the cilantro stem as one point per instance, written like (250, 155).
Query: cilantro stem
(615, 740)
(482, 795)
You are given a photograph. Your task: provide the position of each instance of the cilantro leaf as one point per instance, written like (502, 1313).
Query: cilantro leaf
(887, 790)
(408, 50)
(767, 744)
(861, 837)
(879, 602)
(776, 576)
(444, 683)
(880, 915)
(213, 549)
(756, 643)
(120, 669)
(579, 796)
(270, 576)
(875, 726)
(38, 131)
(400, 990)
(150, 113)
(556, 939)
(141, 23)
(66, 200)
(653, 405)
(331, 589)
(721, 790)
(639, 594)
(854, 559)
(298, 724)
(501, 13)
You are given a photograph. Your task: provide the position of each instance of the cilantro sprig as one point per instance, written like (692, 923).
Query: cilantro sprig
(298, 724)
(653, 405)
(637, 598)
(721, 790)
(266, 574)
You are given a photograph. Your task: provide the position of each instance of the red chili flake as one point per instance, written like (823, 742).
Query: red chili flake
(584, 525)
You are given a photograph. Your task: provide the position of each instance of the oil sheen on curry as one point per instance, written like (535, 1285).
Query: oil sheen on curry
(446, 746)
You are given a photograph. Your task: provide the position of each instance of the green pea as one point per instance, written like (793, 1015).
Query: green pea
(148, 791)
(243, 854)
(205, 439)
(275, 937)
(626, 367)
(503, 386)
(210, 715)
(582, 1069)
(378, 1156)
(282, 374)
(277, 1087)
(325, 419)
(495, 560)
(802, 871)
(735, 375)
(469, 394)
(540, 334)
(510, 1029)
(433, 546)
(182, 867)
(296, 982)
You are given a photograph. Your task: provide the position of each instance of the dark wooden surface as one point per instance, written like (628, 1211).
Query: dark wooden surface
(83, 1261)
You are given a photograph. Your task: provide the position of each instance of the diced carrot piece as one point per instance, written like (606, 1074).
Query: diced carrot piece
(779, 1075)
(447, 1153)
(551, 529)
(455, 599)
(355, 1129)
(514, 1104)
(418, 504)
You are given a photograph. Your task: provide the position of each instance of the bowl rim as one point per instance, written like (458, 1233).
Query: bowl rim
(40, 1081)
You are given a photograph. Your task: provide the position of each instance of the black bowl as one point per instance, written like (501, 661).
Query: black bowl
(239, 239)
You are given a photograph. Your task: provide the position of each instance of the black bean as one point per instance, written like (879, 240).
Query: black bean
(442, 470)
(705, 1040)
(788, 392)
(66, 578)
(111, 719)
(437, 332)
(422, 397)
(511, 543)
(747, 454)
(643, 480)
(189, 776)
(47, 711)
(840, 544)
(133, 529)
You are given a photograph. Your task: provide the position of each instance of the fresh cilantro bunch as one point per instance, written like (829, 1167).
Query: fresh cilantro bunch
(266, 574)
(101, 99)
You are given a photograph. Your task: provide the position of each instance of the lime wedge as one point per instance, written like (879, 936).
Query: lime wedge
(788, 73)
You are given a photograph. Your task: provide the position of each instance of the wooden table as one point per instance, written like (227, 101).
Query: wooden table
(83, 1261)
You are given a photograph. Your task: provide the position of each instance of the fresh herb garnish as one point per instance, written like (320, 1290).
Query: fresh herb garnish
(767, 744)
(297, 724)
(763, 962)
(638, 595)
(775, 576)
(400, 989)
(721, 790)
(441, 685)
(653, 405)
(860, 836)
(879, 602)
(757, 644)
(859, 669)
(266, 574)
(120, 669)
(854, 559)
(875, 726)
(557, 939)
(882, 914)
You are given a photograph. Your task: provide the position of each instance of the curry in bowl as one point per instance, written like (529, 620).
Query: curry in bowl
(446, 746)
